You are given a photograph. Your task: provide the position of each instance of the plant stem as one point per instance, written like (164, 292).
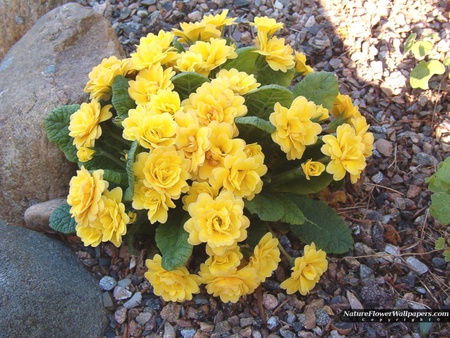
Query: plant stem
(289, 257)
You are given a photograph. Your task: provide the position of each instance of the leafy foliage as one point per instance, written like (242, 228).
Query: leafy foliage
(61, 220)
(120, 98)
(439, 184)
(319, 87)
(260, 101)
(423, 71)
(57, 127)
(187, 83)
(322, 226)
(171, 239)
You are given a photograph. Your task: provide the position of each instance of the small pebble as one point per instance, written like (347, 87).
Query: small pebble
(417, 265)
(134, 301)
(120, 293)
(272, 322)
(107, 283)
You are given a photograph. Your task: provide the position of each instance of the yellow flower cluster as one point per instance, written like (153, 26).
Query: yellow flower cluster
(187, 153)
(99, 213)
(306, 271)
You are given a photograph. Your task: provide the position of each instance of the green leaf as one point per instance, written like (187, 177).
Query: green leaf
(260, 102)
(256, 122)
(294, 181)
(319, 87)
(446, 62)
(61, 220)
(57, 127)
(440, 180)
(245, 62)
(292, 213)
(120, 98)
(267, 76)
(410, 42)
(323, 226)
(439, 244)
(424, 71)
(115, 176)
(421, 48)
(171, 239)
(440, 207)
(273, 207)
(129, 192)
(267, 206)
(187, 82)
(447, 255)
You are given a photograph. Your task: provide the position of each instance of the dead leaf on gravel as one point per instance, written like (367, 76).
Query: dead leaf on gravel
(391, 235)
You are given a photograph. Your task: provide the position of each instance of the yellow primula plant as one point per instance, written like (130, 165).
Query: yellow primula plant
(195, 145)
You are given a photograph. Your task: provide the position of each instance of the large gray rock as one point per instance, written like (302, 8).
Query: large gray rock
(44, 290)
(17, 16)
(46, 68)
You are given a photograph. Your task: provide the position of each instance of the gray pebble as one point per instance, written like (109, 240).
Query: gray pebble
(417, 265)
(120, 293)
(133, 301)
(124, 282)
(107, 283)
(188, 333)
(272, 322)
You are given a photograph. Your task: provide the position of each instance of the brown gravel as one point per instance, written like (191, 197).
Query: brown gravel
(393, 264)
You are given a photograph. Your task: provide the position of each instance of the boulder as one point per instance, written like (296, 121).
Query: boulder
(17, 16)
(46, 68)
(44, 289)
(37, 217)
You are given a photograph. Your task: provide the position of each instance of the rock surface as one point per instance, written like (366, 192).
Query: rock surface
(46, 68)
(17, 16)
(38, 215)
(44, 290)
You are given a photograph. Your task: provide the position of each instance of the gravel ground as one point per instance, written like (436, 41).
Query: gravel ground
(393, 264)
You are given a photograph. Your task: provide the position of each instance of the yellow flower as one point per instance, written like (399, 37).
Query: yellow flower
(266, 257)
(230, 286)
(321, 114)
(196, 189)
(222, 144)
(300, 64)
(240, 174)
(156, 203)
(307, 271)
(165, 101)
(278, 55)
(215, 102)
(189, 62)
(148, 82)
(192, 139)
(267, 25)
(219, 222)
(361, 128)
(164, 170)
(219, 21)
(154, 50)
(175, 285)
(239, 82)
(223, 264)
(343, 107)
(294, 128)
(214, 53)
(85, 194)
(191, 32)
(85, 154)
(149, 128)
(84, 124)
(102, 77)
(110, 223)
(312, 168)
(346, 150)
